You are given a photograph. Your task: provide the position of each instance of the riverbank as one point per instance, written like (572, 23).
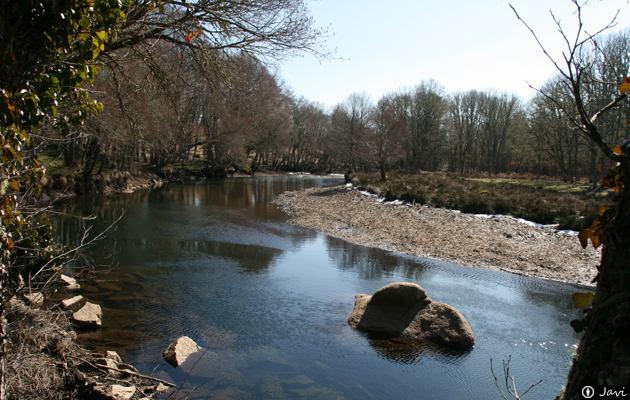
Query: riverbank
(62, 184)
(59, 186)
(501, 243)
(44, 360)
(544, 200)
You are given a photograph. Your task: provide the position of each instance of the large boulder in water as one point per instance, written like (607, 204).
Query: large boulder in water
(402, 310)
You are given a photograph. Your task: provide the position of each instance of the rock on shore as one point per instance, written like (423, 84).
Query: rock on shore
(403, 311)
(88, 317)
(73, 303)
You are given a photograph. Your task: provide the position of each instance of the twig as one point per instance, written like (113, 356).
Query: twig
(124, 371)
(509, 382)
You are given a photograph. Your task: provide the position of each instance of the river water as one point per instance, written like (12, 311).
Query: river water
(217, 262)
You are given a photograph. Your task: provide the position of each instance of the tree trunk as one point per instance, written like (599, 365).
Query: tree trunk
(603, 356)
(3, 343)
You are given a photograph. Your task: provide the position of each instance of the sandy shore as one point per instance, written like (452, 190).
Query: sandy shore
(499, 243)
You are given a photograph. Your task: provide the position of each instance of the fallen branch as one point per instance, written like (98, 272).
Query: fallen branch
(125, 371)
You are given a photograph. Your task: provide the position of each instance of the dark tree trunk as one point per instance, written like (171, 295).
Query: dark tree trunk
(381, 169)
(91, 157)
(603, 356)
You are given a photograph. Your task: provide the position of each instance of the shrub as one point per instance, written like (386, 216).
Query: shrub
(520, 196)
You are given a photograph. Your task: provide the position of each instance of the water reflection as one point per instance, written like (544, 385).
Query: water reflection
(269, 300)
(371, 263)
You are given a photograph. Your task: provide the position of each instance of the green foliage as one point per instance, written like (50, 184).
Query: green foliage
(47, 56)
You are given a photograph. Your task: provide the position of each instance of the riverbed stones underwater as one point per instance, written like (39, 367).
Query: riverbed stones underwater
(402, 311)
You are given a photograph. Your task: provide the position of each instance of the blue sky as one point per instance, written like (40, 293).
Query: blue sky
(382, 46)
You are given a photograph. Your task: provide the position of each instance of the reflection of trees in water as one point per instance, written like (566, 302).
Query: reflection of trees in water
(372, 263)
(239, 193)
(230, 197)
(250, 258)
(233, 193)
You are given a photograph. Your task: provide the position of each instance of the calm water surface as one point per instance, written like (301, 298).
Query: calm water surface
(217, 262)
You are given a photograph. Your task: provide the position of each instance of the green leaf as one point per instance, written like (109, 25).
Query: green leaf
(582, 300)
(84, 22)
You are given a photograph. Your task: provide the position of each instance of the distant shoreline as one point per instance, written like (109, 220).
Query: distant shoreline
(496, 243)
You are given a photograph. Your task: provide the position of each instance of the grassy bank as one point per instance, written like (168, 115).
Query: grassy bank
(545, 201)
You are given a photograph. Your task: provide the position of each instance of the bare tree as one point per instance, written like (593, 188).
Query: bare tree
(386, 135)
(424, 112)
(603, 356)
(559, 143)
(462, 136)
(350, 124)
(262, 28)
(310, 128)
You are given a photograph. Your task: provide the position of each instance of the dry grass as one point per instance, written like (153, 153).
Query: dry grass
(36, 368)
(44, 361)
(545, 201)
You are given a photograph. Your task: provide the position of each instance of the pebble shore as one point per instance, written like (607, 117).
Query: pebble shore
(503, 242)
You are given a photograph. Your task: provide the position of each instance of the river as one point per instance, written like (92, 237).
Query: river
(217, 262)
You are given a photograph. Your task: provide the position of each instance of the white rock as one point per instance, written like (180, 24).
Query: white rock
(69, 282)
(178, 351)
(109, 363)
(73, 303)
(114, 392)
(89, 316)
(112, 355)
(161, 388)
(123, 392)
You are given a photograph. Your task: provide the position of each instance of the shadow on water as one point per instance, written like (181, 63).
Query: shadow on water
(269, 300)
(411, 353)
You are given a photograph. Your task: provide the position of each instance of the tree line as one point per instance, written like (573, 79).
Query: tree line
(167, 106)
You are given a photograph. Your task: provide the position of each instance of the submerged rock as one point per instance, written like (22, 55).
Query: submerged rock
(88, 317)
(178, 351)
(402, 310)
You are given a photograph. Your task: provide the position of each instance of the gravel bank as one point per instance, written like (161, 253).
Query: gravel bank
(498, 243)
